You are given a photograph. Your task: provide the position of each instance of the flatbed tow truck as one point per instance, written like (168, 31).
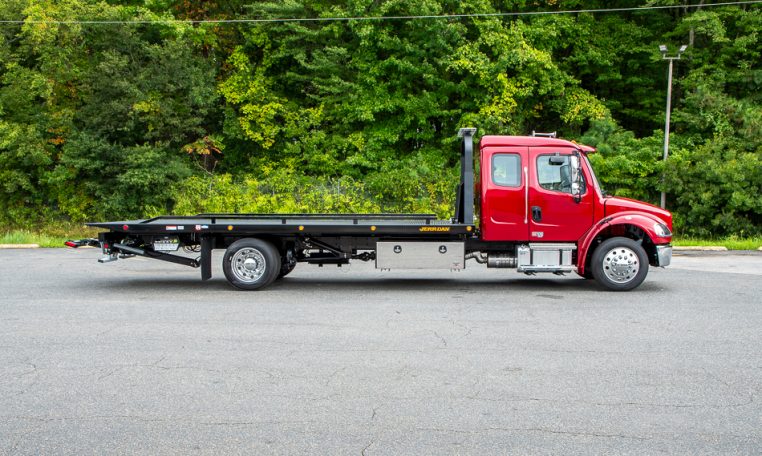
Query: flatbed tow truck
(539, 205)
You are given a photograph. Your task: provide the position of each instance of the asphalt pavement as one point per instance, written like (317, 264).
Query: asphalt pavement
(141, 357)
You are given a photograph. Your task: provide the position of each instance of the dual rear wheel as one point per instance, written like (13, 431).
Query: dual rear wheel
(251, 263)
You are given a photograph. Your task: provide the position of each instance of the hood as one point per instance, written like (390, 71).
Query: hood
(615, 204)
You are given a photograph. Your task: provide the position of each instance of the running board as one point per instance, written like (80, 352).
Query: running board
(532, 270)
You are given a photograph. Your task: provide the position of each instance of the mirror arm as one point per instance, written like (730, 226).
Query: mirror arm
(577, 169)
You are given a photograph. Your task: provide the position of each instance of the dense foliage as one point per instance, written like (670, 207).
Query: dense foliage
(128, 120)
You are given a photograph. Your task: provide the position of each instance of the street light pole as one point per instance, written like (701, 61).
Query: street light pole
(671, 59)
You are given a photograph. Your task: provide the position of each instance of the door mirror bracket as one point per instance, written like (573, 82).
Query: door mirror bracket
(576, 177)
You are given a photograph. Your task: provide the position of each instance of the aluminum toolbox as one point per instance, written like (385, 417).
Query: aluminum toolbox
(420, 255)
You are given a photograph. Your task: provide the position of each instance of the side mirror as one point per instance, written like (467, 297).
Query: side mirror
(576, 176)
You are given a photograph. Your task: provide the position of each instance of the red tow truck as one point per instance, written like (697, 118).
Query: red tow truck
(539, 207)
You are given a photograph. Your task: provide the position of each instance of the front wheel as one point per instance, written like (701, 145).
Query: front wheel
(251, 263)
(619, 264)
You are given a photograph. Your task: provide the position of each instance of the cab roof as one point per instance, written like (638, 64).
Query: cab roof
(531, 141)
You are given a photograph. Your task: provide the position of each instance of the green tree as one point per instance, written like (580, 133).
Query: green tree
(98, 116)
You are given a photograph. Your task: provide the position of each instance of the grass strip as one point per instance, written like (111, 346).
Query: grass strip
(47, 236)
(732, 242)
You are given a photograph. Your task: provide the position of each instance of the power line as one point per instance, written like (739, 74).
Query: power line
(376, 18)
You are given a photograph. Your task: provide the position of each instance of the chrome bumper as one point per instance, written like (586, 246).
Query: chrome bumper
(664, 255)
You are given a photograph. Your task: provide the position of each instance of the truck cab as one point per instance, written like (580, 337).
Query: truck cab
(542, 194)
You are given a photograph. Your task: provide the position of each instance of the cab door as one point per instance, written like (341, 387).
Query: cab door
(554, 215)
(504, 196)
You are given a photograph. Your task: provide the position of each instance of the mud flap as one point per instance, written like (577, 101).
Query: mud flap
(207, 245)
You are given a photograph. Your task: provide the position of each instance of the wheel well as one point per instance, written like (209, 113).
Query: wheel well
(280, 243)
(626, 230)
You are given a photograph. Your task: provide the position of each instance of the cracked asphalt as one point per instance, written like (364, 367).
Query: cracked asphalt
(141, 357)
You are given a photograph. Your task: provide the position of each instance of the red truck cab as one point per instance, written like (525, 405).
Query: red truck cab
(541, 190)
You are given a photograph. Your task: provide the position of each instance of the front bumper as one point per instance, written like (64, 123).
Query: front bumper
(664, 255)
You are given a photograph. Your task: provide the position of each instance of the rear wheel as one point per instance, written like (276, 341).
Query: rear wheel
(251, 263)
(619, 264)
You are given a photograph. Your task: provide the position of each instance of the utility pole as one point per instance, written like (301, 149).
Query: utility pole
(671, 59)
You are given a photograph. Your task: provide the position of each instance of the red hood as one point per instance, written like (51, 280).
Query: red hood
(616, 204)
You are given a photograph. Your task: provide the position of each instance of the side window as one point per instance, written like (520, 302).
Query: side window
(554, 176)
(506, 170)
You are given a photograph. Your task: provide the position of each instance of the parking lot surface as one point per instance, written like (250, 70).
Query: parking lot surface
(141, 357)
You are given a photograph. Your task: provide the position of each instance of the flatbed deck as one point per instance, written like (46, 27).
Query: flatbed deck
(289, 224)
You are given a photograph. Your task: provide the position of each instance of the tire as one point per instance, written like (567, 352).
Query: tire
(619, 264)
(250, 263)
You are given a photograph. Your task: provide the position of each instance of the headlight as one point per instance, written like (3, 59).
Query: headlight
(662, 230)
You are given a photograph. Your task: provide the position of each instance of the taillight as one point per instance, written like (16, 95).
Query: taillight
(71, 244)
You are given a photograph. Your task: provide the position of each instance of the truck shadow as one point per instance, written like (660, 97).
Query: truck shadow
(372, 286)
(378, 286)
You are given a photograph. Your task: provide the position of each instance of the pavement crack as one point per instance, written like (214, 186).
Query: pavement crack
(111, 372)
(198, 368)
(535, 429)
(375, 412)
(614, 404)
(362, 452)
(572, 433)
(229, 423)
(444, 342)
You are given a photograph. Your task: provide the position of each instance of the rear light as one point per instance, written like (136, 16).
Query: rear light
(125, 227)
(71, 244)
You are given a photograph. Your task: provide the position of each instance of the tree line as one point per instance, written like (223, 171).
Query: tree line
(145, 112)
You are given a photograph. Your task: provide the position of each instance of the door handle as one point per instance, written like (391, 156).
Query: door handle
(536, 213)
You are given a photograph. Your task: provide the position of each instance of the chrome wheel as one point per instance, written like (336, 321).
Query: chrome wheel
(621, 265)
(248, 265)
